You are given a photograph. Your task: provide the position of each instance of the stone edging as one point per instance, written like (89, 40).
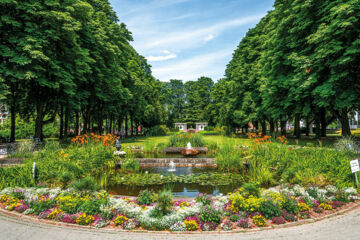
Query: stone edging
(31, 219)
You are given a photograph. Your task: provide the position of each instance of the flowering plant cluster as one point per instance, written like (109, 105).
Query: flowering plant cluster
(238, 209)
(107, 140)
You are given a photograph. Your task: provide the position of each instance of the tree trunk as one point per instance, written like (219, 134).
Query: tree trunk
(111, 125)
(13, 122)
(61, 115)
(132, 125)
(77, 130)
(272, 126)
(307, 127)
(317, 127)
(39, 121)
(297, 132)
(256, 125)
(66, 128)
(126, 125)
(263, 127)
(283, 128)
(323, 122)
(345, 126)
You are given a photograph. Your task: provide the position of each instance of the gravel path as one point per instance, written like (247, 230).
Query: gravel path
(342, 227)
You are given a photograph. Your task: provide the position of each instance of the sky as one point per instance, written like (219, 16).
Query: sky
(187, 39)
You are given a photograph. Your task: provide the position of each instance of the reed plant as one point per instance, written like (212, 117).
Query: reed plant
(229, 158)
(181, 140)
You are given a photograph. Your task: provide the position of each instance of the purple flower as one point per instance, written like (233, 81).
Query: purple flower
(278, 220)
(44, 214)
(22, 208)
(70, 218)
(244, 223)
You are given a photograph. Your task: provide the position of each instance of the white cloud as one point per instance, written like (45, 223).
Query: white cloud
(161, 58)
(195, 67)
(209, 37)
(185, 39)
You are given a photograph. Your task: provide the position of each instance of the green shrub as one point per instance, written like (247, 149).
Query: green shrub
(163, 200)
(290, 205)
(270, 209)
(145, 197)
(251, 189)
(209, 214)
(66, 178)
(159, 130)
(86, 184)
(41, 206)
(91, 207)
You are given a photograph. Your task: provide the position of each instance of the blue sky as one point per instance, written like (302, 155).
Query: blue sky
(187, 39)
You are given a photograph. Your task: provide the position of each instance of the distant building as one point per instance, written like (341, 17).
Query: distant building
(3, 113)
(200, 126)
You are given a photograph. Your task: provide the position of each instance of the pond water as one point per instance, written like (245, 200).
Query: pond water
(171, 155)
(178, 189)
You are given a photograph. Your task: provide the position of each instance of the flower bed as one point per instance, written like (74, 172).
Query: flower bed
(238, 210)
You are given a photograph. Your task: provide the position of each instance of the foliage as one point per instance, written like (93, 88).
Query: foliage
(205, 199)
(91, 207)
(145, 197)
(181, 140)
(209, 214)
(163, 200)
(159, 130)
(229, 158)
(85, 184)
(290, 205)
(270, 209)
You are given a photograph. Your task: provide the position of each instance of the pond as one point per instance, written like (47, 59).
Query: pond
(179, 189)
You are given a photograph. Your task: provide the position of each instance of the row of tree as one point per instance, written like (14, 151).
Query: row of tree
(300, 62)
(72, 60)
(187, 102)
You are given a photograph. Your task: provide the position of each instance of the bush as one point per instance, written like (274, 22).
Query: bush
(238, 216)
(209, 214)
(270, 209)
(41, 206)
(145, 197)
(86, 184)
(163, 200)
(66, 178)
(251, 189)
(159, 130)
(91, 207)
(290, 205)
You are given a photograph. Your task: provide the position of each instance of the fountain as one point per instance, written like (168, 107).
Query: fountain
(189, 151)
(172, 167)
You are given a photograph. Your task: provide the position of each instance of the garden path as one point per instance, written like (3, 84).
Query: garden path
(342, 227)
